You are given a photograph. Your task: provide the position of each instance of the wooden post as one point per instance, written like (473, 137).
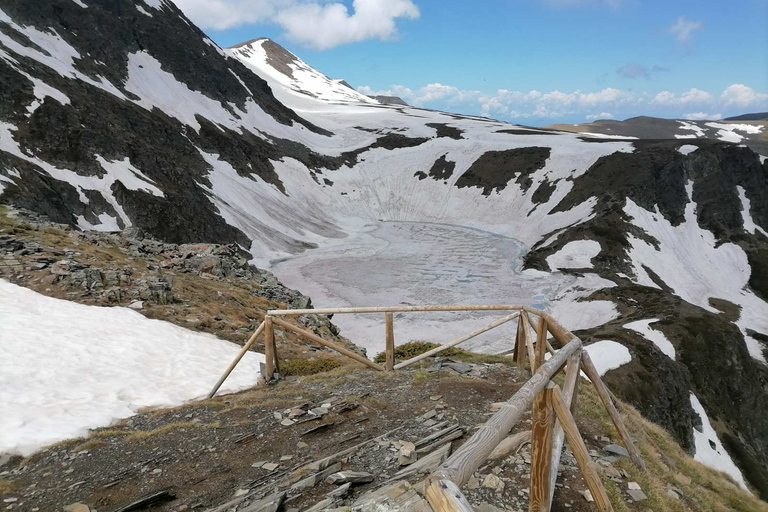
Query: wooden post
(465, 461)
(529, 344)
(580, 452)
(317, 339)
(390, 343)
(569, 395)
(602, 391)
(445, 496)
(453, 343)
(237, 359)
(541, 451)
(269, 349)
(522, 349)
(541, 341)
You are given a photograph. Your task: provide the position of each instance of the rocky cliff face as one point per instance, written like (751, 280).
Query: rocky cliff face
(122, 115)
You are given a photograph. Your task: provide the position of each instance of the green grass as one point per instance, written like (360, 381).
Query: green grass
(414, 348)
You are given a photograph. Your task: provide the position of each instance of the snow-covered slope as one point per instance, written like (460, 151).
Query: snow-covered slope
(66, 368)
(360, 203)
(295, 76)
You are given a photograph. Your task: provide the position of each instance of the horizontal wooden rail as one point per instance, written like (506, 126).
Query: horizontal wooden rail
(457, 341)
(465, 461)
(394, 309)
(338, 348)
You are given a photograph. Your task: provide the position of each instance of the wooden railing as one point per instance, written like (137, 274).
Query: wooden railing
(553, 422)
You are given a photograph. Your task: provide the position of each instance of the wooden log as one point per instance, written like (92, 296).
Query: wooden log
(460, 466)
(603, 393)
(529, 344)
(457, 341)
(393, 309)
(580, 452)
(538, 330)
(541, 342)
(522, 349)
(510, 444)
(269, 349)
(390, 342)
(237, 359)
(445, 496)
(569, 395)
(333, 346)
(542, 430)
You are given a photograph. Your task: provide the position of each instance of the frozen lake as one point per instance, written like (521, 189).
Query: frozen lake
(405, 263)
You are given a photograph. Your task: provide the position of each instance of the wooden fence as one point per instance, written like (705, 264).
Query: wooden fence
(553, 423)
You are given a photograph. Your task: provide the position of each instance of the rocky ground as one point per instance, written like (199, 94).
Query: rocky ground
(205, 287)
(231, 451)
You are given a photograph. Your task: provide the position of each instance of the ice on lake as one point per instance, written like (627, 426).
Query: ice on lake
(404, 263)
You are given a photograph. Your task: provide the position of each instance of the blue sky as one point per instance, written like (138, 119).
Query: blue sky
(528, 61)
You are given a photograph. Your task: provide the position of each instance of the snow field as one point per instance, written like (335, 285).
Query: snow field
(66, 368)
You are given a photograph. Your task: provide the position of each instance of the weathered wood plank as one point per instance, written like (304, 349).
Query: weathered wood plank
(390, 342)
(237, 359)
(534, 362)
(269, 349)
(541, 342)
(542, 430)
(393, 309)
(333, 346)
(457, 341)
(580, 452)
(605, 397)
(445, 496)
(522, 349)
(460, 466)
(569, 394)
(510, 444)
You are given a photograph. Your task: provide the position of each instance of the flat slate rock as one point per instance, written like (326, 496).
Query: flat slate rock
(615, 449)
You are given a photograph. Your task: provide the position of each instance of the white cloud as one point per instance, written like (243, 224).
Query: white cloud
(692, 96)
(702, 116)
(742, 96)
(609, 102)
(424, 95)
(683, 29)
(324, 26)
(319, 24)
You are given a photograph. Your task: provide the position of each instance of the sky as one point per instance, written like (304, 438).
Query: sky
(534, 62)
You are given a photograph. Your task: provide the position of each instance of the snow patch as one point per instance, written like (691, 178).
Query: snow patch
(102, 364)
(690, 261)
(709, 449)
(143, 11)
(576, 254)
(697, 130)
(119, 170)
(687, 149)
(60, 55)
(607, 355)
(727, 132)
(657, 337)
(81, 4)
(749, 224)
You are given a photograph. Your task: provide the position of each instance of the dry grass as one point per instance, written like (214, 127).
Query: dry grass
(108, 433)
(709, 490)
(421, 376)
(6, 486)
(89, 445)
